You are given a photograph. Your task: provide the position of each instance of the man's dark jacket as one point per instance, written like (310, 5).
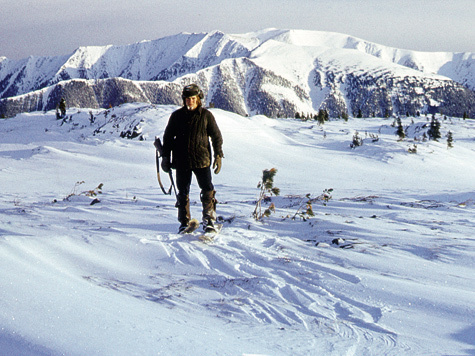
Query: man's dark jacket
(187, 137)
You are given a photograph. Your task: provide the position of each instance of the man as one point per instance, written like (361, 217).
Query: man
(186, 140)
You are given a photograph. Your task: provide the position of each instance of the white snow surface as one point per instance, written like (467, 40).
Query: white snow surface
(114, 278)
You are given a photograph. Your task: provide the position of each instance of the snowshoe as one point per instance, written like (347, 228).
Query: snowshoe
(192, 225)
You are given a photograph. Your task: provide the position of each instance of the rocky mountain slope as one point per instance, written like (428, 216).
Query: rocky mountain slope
(271, 72)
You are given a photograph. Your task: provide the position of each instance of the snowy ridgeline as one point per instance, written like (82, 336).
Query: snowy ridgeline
(385, 266)
(272, 72)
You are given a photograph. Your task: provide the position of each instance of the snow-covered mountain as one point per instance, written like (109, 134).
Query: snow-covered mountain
(272, 72)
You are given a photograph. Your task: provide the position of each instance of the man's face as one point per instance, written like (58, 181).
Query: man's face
(191, 102)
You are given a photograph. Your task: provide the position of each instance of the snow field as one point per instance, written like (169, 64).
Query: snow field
(384, 268)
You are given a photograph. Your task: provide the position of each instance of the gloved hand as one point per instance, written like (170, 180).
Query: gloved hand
(166, 164)
(217, 164)
(157, 143)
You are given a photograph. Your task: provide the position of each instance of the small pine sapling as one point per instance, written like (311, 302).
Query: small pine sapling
(88, 193)
(450, 140)
(326, 196)
(94, 192)
(267, 189)
(400, 130)
(305, 209)
(412, 149)
(92, 119)
(357, 140)
(374, 137)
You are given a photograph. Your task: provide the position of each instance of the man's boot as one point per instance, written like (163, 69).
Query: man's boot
(209, 210)
(184, 216)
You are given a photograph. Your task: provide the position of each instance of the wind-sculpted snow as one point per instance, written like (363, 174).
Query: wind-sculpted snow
(384, 267)
(271, 72)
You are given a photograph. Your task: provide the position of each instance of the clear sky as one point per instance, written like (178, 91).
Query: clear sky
(56, 27)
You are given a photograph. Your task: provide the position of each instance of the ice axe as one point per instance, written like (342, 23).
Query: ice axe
(158, 155)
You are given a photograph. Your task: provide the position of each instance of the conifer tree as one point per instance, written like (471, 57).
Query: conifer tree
(434, 130)
(62, 107)
(450, 140)
(322, 116)
(400, 130)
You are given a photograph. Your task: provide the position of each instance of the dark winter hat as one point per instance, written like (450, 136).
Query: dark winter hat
(192, 90)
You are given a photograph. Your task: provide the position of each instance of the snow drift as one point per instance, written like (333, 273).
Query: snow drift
(385, 267)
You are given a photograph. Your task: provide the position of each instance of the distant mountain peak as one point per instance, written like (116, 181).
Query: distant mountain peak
(275, 72)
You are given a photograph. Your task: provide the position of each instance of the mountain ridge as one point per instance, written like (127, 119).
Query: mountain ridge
(320, 70)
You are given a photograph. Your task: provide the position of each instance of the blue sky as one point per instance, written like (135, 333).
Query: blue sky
(55, 27)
